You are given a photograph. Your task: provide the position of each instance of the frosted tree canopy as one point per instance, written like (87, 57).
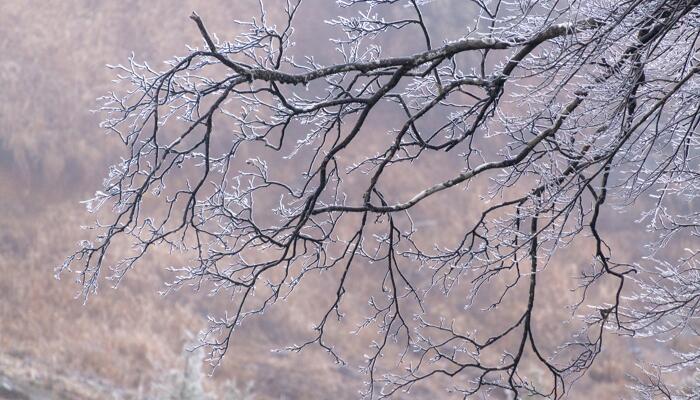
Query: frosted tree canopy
(453, 166)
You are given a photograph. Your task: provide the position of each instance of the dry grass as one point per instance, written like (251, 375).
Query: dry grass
(51, 156)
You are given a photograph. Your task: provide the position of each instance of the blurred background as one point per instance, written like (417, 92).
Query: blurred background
(128, 343)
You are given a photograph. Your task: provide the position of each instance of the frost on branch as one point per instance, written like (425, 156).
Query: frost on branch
(269, 167)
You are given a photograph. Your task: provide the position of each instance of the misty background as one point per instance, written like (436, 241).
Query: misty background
(53, 155)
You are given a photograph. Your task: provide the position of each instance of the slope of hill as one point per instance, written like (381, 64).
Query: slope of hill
(52, 155)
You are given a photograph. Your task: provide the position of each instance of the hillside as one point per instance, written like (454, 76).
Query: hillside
(118, 344)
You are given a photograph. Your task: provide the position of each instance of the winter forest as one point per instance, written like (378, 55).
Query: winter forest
(352, 199)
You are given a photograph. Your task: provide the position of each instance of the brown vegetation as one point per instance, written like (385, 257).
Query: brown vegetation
(52, 156)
